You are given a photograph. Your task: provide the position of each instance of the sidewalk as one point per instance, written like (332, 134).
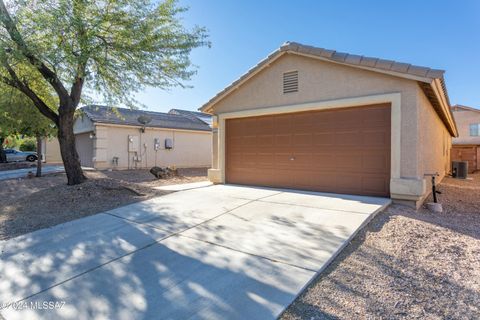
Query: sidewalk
(22, 173)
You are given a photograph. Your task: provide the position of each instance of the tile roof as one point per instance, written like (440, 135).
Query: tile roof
(122, 116)
(205, 117)
(459, 106)
(359, 60)
(400, 69)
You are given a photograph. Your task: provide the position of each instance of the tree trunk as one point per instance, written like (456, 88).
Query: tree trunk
(70, 158)
(39, 156)
(3, 156)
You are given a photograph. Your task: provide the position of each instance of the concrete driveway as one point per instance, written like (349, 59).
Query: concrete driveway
(216, 252)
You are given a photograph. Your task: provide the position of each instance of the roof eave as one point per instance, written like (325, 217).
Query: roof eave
(432, 79)
(465, 108)
(441, 91)
(435, 92)
(373, 69)
(287, 50)
(206, 108)
(114, 124)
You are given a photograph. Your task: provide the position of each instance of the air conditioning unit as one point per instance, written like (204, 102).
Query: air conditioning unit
(459, 169)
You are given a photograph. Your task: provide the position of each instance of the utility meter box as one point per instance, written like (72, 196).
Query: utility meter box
(156, 144)
(168, 143)
(133, 143)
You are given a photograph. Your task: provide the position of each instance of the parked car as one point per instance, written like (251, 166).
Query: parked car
(15, 155)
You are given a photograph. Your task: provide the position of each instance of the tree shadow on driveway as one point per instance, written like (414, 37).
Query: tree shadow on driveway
(175, 279)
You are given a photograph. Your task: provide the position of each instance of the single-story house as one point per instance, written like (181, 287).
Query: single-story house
(466, 147)
(315, 119)
(205, 117)
(51, 150)
(118, 138)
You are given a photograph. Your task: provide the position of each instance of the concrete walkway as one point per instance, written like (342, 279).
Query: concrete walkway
(22, 173)
(214, 252)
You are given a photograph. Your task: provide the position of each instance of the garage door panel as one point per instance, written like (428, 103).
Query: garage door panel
(265, 140)
(316, 180)
(348, 138)
(301, 160)
(323, 161)
(376, 185)
(302, 139)
(266, 159)
(347, 163)
(343, 151)
(283, 159)
(282, 122)
(374, 163)
(376, 138)
(283, 140)
(376, 115)
(323, 138)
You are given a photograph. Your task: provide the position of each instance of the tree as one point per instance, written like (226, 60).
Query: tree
(83, 49)
(19, 116)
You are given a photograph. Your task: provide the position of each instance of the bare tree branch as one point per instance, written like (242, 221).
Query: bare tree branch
(15, 82)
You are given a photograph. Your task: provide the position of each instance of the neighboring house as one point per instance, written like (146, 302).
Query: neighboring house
(466, 147)
(51, 150)
(205, 117)
(114, 138)
(314, 119)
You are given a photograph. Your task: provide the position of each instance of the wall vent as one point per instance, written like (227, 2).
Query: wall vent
(290, 82)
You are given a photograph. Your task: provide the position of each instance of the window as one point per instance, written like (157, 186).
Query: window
(290, 82)
(474, 130)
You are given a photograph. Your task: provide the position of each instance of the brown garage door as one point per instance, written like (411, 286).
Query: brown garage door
(342, 151)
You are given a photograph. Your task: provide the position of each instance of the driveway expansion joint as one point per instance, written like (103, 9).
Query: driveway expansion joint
(248, 253)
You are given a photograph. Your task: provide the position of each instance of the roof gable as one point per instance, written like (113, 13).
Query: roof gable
(431, 80)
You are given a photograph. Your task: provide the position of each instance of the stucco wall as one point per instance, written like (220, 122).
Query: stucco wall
(320, 81)
(84, 145)
(82, 124)
(191, 148)
(435, 141)
(215, 148)
(464, 118)
(52, 151)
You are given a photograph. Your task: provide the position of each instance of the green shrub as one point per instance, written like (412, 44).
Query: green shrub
(28, 144)
(11, 142)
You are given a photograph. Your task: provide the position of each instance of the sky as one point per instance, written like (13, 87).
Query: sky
(438, 34)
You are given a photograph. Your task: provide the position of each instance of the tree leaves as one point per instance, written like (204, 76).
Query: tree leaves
(115, 47)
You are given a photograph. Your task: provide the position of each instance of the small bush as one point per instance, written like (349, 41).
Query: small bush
(28, 145)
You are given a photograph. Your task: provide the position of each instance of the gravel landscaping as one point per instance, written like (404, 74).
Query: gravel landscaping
(27, 205)
(406, 265)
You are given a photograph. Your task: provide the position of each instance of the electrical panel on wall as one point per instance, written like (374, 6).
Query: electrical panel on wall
(133, 143)
(168, 143)
(156, 144)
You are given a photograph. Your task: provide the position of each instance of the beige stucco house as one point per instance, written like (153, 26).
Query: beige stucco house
(114, 138)
(315, 119)
(51, 150)
(466, 147)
